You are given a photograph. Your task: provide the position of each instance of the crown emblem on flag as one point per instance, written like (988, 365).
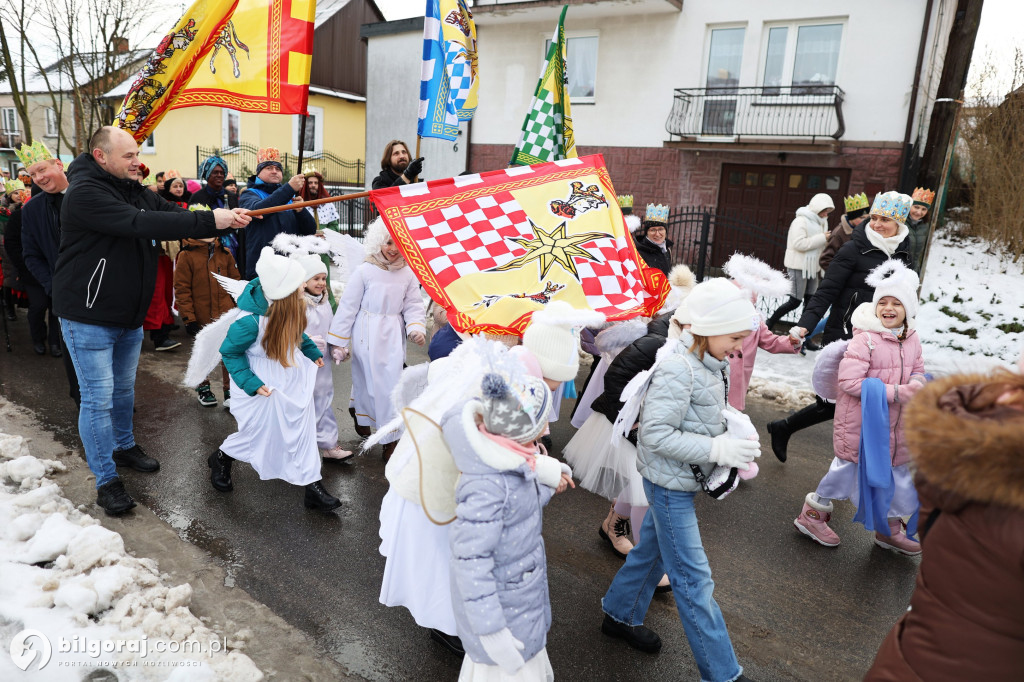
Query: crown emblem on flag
(33, 153)
(923, 196)
(892, 205)
(268, 154)
(13, 186)
(656, 214)
(856, 202)
(625, 201)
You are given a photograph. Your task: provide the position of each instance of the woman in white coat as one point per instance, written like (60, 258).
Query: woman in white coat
(808, 235)
(381, 306)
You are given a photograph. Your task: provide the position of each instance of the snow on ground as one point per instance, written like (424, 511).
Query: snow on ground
(971, 319)
(69, 578)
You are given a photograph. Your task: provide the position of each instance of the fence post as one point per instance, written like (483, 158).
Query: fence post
(702, 244)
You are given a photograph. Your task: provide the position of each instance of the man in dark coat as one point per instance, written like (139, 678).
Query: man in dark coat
(654, 246)
(111, 228)
(267, 189)
(40, 237)
(396, 168)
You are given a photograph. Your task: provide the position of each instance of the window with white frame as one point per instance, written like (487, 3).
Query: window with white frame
(313, 142)
(580, 67)
(231, 129)
(9, 120)
(803, 55)
(51, 122)
(148, 145)
(725, 57)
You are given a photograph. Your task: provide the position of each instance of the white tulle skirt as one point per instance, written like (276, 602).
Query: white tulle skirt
(417, 573)
(603, 468)
(537, 669)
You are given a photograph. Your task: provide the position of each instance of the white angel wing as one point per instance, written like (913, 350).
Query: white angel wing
(634, 392)
(235, 287)
(206, 349)
(433, 475)
(346, 252)
(411, 383)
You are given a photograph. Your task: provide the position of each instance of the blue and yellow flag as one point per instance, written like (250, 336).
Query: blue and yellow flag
(449, 78)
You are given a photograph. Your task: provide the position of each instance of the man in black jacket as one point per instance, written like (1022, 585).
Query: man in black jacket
(40, 235)
(111, 227)
(396, 167)
(654, 246)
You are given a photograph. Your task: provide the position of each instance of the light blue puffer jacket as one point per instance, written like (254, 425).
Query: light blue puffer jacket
(682, 412)
(499, 570)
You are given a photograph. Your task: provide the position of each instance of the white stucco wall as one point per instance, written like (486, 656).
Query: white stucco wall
(392, 102)
(642, 57)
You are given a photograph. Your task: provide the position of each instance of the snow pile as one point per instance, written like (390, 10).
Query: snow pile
(68, 577)
(971, 318)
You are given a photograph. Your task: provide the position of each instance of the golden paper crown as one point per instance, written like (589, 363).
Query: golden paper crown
(33, 153)
(625, 201)
(171, 174)
(856, 202)
(310, 171)
(13, 186)
(268, 154)
(923, 196)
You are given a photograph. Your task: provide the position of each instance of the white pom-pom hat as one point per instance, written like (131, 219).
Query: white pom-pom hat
(893, 278)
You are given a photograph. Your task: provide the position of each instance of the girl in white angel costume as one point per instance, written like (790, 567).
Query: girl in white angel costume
(380, 308)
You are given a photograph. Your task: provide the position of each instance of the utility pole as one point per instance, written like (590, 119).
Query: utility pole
(950, 93)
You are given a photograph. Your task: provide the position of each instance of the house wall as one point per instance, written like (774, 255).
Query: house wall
(392, 105)
(37, 106)
(339, 57)
(643, 57)
(182, 130)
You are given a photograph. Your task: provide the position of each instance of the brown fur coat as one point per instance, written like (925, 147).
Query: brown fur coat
(966, 619)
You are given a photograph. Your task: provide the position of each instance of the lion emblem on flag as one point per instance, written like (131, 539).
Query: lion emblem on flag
(581, 199)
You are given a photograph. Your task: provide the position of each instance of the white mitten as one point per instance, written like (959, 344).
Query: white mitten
(340, 355)
(730, 452)
(503, 648)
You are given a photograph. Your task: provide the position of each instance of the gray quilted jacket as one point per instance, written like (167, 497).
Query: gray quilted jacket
(499, 570)
(682, 412)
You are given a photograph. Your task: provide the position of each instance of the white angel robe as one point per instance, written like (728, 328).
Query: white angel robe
(318, 323)
(276, 434)
(375, 314)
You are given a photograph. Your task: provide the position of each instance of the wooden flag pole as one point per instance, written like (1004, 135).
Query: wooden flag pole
(304, 204)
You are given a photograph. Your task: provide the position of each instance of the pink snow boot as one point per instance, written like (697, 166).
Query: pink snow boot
(615, 531)
(813, 522)
(897, 540)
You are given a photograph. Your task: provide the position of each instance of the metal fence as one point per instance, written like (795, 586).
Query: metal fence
(356, 214)
(808, 111)
(241, 161)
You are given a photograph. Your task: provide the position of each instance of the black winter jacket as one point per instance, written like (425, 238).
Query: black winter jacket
(387, 178)
(844, 287)
(631, 361)
(260, 232)
(110, 239)
(40, 237)
(654, 256)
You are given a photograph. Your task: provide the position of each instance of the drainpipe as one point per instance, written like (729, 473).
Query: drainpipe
(913, 95)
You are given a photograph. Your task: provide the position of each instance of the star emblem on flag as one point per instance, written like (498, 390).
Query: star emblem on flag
(548, 248)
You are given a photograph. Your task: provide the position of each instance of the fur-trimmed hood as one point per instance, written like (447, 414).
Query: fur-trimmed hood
(864, 319)
(963, 457)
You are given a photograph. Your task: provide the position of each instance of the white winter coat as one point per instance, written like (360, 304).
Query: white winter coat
(806, 239)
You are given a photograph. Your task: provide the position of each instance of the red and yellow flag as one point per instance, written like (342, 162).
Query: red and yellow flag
(494, 247)
(249, 55)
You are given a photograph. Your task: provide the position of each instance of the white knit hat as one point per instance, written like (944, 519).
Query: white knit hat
(279, 276)
(552, 339)
(717, 306)
(311, 264)
(893, 278)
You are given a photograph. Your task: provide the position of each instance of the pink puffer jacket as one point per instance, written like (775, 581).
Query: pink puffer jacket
(741, 365)
(875, 352)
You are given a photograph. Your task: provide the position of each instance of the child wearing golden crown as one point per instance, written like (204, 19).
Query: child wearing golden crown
(918, 226)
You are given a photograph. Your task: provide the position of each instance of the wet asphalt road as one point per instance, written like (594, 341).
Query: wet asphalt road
(795, 610)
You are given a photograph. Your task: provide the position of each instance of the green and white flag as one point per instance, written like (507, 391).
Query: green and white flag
(547, 130)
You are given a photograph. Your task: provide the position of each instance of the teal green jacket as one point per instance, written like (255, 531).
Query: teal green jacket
(242, 334)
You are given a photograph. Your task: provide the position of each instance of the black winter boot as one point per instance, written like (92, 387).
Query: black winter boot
(792, 303)
(113, 498)
(781, 429)
(136, 458)
(318, 499)
(220, 471)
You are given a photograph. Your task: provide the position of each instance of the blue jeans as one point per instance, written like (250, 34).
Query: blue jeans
(105, 359)
(670, 543)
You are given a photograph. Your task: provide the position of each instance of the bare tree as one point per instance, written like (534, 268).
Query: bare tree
(10, 16)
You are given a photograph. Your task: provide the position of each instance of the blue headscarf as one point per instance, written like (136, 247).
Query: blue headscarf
(212, 162)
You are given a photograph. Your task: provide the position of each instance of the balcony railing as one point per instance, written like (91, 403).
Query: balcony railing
(796, 111)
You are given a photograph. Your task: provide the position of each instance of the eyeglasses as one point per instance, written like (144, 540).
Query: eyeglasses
(656, 229)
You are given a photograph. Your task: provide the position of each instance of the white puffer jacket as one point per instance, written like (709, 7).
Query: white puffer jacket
(806, 239)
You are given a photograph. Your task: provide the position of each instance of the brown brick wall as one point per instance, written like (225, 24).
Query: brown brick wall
(686, 178)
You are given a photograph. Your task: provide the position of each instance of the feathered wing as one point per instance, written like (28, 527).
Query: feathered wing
(206, 349)
(612, 340)
(235, 287)
(825, 377)
(288, 244)
(757, 277)
(634, 392)
(436, 474)
(346, 252)
(411, 384)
